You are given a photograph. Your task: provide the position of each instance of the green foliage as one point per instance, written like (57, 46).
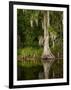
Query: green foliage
(28, 36)
(29, 51)
(51, 30)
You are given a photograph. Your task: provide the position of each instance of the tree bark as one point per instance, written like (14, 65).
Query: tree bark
(46, 52)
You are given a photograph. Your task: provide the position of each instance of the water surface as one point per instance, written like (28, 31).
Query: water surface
(34, 69)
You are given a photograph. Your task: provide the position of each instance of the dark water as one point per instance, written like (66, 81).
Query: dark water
(34, 69)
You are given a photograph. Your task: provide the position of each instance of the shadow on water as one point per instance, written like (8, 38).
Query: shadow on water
(39, 69)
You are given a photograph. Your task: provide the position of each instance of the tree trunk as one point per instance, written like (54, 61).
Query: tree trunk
(46, 52)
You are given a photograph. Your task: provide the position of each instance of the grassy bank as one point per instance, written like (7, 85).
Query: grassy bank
(29, 51)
